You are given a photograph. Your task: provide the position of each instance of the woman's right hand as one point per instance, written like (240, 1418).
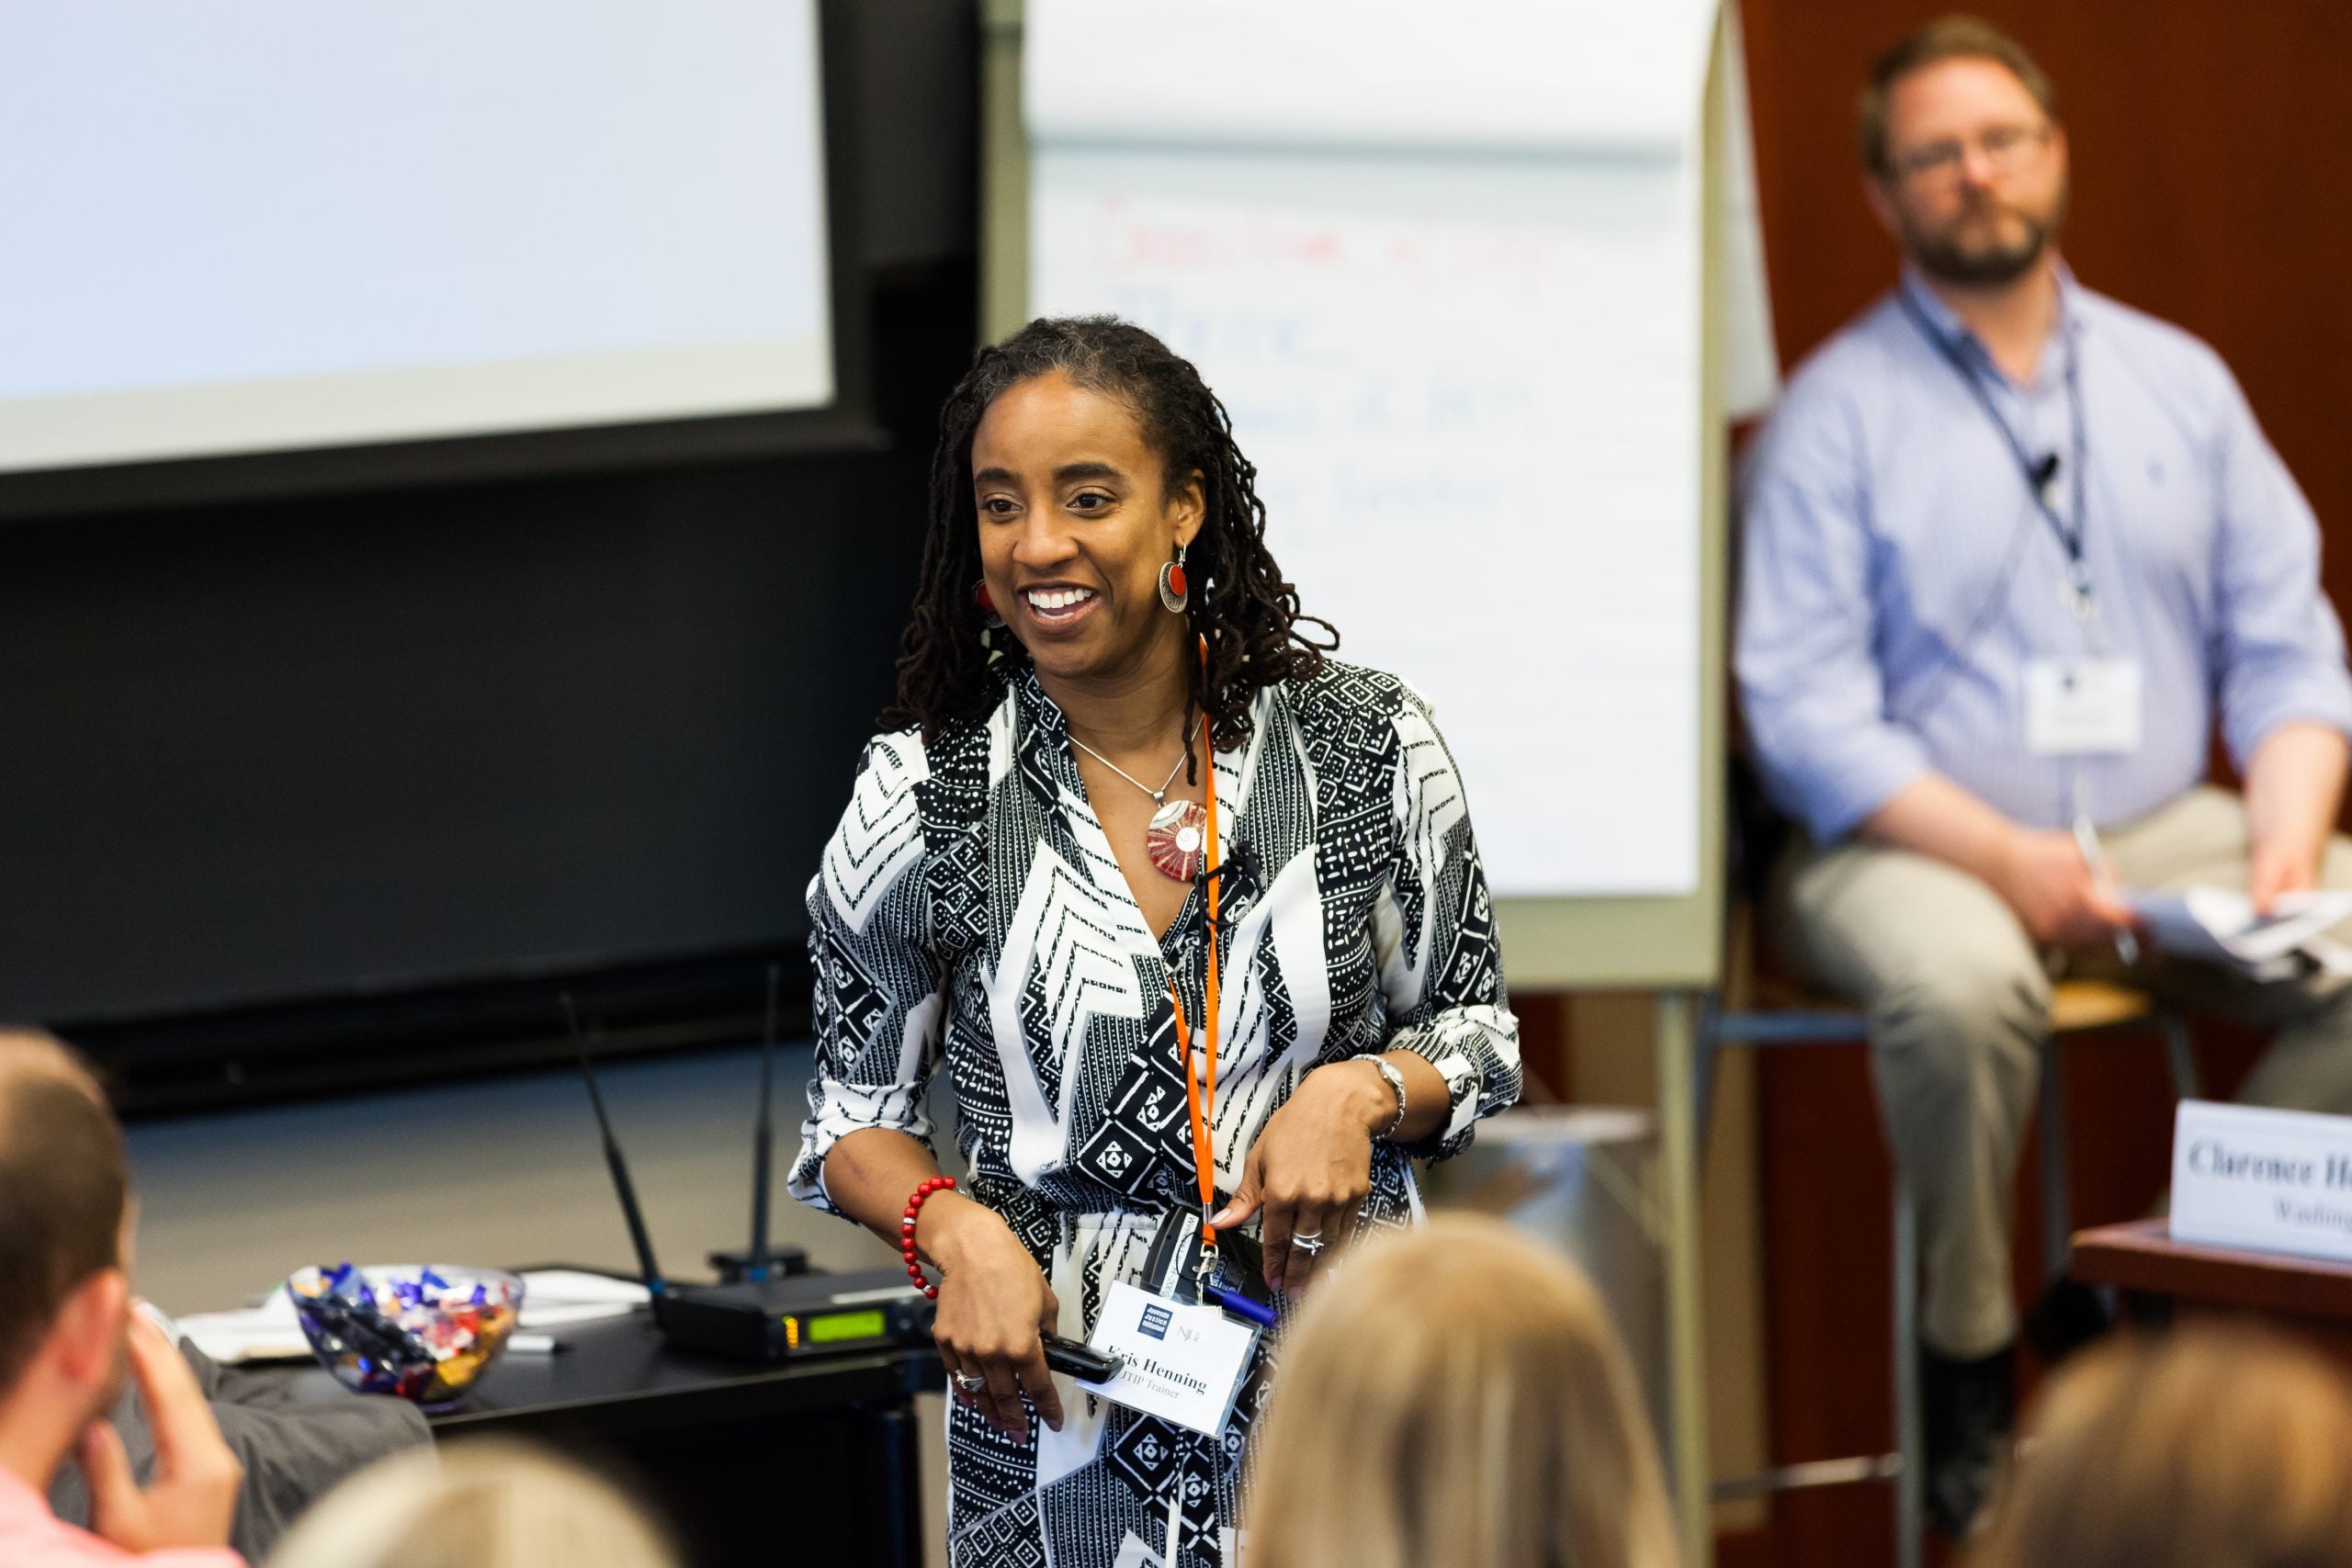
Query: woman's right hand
(994, 1304)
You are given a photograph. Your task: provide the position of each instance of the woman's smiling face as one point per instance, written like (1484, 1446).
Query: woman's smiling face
(1076, 519)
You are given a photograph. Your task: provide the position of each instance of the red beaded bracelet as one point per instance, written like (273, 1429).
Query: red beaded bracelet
(907, 1232)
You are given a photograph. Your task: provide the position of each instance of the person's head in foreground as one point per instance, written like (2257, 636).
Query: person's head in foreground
(1456, 1393)
(65, 1295)
(69, 1340)
(479, 1505)
(1963, 159)
(2216, 1447)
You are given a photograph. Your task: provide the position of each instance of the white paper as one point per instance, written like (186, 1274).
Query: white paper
(1751, 350)
(574, 1288)
(2218, 925)
(1477, 438)
(269, 1332)
(1514, 76)
(1443, 265)
(2273, 1181)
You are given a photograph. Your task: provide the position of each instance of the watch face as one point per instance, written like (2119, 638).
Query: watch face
(1396, 1077)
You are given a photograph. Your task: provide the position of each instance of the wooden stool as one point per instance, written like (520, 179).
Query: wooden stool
(1787, 1015)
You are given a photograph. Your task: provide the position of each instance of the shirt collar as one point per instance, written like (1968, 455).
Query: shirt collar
(1953, 333)
(1042, 744)
(1040, 711)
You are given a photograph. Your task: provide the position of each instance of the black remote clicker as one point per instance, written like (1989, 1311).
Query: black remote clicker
(1081, 1362)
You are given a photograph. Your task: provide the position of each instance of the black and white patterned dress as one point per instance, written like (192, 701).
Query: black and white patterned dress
(971, 908)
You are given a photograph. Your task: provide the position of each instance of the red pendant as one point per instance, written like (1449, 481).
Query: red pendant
(1178, 838)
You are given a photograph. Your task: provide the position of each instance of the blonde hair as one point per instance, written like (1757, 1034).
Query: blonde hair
(1455, 1395)
(2218, 1448)
(489, 1504)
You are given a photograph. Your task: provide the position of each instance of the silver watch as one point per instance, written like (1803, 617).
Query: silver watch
(1387, 1069)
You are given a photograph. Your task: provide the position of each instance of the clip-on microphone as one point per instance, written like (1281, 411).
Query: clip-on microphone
(2045, 469)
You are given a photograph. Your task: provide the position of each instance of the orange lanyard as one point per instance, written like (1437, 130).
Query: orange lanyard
(1198, 1099)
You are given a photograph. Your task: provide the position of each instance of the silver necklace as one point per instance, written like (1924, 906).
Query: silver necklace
(1177, 839)
(1158, 796)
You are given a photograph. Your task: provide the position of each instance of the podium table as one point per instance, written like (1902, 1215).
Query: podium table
(2160, 1277)
(815, 1460)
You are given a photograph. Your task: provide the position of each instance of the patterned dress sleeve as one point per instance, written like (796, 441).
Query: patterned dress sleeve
(879, 1003)
(1433, 935)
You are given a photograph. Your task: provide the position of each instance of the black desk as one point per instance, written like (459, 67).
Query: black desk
(812, 1460)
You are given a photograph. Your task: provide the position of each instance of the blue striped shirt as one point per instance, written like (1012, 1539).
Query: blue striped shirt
(1898, 577)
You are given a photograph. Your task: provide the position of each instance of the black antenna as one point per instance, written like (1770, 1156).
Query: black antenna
(763, 1138)
(651, 1271)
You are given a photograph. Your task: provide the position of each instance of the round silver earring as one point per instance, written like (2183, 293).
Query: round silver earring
(1174, 592)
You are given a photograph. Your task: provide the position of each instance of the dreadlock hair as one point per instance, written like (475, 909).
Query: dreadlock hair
(1240, 602)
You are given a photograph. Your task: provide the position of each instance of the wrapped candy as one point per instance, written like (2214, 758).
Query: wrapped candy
(422, 1334)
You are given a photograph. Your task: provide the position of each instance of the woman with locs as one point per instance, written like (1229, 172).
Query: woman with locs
(1023, 889)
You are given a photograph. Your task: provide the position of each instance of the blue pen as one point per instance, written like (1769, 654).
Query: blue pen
(1240, 1305)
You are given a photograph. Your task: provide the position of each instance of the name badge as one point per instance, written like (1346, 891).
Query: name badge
(1179, 1362)
(2074, 706)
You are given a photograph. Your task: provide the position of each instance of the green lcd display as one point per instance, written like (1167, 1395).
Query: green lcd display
(835, 1326)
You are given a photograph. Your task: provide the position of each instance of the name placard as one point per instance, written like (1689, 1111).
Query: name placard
(2272, 1181)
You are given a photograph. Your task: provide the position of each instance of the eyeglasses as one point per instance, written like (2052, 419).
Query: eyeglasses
(2006, 149)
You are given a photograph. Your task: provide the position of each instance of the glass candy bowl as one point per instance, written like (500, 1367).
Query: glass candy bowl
(422, 1332)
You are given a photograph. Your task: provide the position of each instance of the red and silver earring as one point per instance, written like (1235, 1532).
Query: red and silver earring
(991, 623)
(1174, 592)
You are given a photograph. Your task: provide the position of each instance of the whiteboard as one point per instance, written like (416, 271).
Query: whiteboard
(1462, 344)
(1511, 526)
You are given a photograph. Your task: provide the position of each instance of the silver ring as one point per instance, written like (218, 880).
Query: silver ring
(970, 1382)
(1308, 1241)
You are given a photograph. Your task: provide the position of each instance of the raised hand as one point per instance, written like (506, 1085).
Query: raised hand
(192, 1499)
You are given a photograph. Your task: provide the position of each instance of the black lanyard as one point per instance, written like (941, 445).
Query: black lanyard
(2029, 469)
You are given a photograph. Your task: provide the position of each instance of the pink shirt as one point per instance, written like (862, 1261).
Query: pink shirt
(32, 1537)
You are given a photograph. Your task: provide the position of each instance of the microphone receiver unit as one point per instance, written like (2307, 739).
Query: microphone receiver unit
(784, 1316)
(793, 1317)
(779, 1318)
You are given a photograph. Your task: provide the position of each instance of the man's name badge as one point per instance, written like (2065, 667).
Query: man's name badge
(1180, 1363)
(2080, 706)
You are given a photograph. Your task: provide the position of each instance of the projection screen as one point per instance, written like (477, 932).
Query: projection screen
(251, 226)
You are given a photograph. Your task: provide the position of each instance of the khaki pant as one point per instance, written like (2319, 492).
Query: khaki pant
(1959, 1004)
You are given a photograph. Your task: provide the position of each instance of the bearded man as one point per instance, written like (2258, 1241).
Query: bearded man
(2011, 551)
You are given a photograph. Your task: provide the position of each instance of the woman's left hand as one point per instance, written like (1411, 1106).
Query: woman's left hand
(1311, 1168)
